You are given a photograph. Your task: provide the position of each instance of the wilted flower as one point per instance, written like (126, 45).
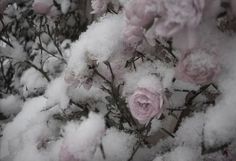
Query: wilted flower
(176, 14)
(99, 6)
(147, 100)
(198, 67)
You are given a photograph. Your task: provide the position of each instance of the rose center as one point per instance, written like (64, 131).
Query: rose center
(143, 106)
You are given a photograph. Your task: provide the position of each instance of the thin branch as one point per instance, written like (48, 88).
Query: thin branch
(38, 69)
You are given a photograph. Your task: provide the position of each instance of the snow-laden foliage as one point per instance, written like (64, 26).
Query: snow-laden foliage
(117, 80)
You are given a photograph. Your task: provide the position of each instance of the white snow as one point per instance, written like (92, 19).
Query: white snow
(10, 105)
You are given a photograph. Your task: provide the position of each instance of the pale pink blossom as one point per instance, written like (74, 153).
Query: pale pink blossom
(99, 6)
(186, 39)
(140, 12)
(198, 67)
(3, 5)
(139, 15)
(146, 103)
(42, 7)
(65, 155)
(133, 36)
(177, 14)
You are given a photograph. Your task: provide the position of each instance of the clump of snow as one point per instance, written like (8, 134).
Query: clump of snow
(82, 139)
(30, 153)
(95, 44)
(165, 73)
(65, 6)
(190, 131)
(181, 153)
(53, 66)
(117, 146)
(155, 126)
(10, 105)
(56, 93)
(25, 129)
(32, 81)
(17, 52)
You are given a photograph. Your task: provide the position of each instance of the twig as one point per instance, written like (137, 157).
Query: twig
(38, 69)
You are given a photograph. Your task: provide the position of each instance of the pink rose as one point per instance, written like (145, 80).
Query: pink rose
(145, 104)
(176, 14)
(133, 36)
(3, 6)
(198, 67)
(99, 6)
(140, 12)
(42, 8)
(65, 155)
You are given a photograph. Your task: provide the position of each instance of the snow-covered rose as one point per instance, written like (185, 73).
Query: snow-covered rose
(71, 78)
(99, 6)
(133, 36)
(198, 67)
(147, 100)
(140, 12)
(176, 14)
(42, 7)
